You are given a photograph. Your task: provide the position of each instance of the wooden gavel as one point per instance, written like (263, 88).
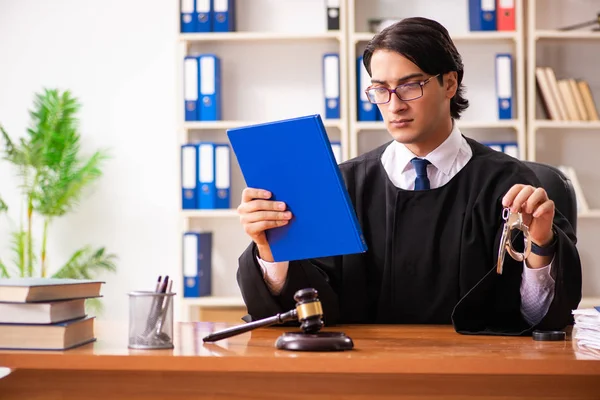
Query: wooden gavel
(308, 311)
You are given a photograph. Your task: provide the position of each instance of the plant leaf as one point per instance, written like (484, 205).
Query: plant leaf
(85, 263)
(19, 246)
(3, 270)
(3, 206)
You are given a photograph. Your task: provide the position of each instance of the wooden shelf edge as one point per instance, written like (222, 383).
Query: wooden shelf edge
(589, 214)
(462, 37)
(216, 125)
(213, 301)
(224, 213)
(552, 124)
(555, 34)
(257, 36)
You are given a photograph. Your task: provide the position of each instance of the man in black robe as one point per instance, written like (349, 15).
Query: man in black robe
(430, 206)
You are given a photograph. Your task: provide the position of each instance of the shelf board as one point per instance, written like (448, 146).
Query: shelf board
(213, 301)
(589, 302)
(589, 214)
(221, 213)
(223, 125)
(551, 124)
(551, 34)
(256, 36)
(467, 36)
(509, 123)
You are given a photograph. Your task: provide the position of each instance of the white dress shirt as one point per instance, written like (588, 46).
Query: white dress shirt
(537, 285)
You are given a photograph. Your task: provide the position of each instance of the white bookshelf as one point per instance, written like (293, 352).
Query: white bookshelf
(478, 50)
(258, 36)
(571, 54)
(264, 65)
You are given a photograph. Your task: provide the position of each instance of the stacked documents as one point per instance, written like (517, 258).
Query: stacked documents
(586, 331)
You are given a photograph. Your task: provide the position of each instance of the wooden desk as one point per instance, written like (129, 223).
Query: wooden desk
(416, 362)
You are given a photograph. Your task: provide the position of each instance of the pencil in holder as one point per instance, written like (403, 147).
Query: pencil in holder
(150, 320)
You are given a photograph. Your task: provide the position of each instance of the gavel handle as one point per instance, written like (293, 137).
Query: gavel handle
(236, 330)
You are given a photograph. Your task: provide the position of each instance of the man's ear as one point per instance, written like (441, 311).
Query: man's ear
(451, 84)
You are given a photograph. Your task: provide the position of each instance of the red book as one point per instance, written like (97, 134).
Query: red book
(506, 15)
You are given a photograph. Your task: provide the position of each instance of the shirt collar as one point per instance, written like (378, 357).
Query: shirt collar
(442, 157)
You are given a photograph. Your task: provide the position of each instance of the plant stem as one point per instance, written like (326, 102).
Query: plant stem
(43, 255)
(29, 238)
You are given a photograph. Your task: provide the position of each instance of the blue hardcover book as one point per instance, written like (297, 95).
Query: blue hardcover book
(293, 160)
(504, 85)
(224, 15)
(482, 15)
(222, 175)
(210, 87)
(189, 181)
(197, 264)
(191, 85)
(206, 190)
(188, 16)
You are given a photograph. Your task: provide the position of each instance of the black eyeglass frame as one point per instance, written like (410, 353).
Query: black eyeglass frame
(394, 90)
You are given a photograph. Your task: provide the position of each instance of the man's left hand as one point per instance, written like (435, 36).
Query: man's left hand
(536, 209)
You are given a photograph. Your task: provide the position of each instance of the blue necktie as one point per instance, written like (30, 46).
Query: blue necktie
(421, 181)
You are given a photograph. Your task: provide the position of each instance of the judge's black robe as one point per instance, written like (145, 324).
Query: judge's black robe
(431, 255)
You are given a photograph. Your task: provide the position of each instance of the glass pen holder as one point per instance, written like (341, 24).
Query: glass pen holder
(150, 320)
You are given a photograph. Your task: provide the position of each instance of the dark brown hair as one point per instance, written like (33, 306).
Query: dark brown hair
(428, 45)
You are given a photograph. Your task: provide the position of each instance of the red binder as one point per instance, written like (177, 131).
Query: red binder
(506, 15)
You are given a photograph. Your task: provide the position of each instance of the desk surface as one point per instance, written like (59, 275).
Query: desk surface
(377, 348)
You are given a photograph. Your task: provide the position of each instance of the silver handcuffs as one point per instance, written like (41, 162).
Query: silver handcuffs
(512, 221)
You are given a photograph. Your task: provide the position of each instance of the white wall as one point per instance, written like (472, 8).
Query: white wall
(118, 58)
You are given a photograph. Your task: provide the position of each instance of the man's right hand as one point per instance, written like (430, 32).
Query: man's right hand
(258, 214)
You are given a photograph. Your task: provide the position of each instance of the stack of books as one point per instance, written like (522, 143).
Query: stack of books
(46, 313)
(586, 331)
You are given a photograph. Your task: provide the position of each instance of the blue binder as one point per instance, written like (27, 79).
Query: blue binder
(206, 176)
(482, 15)
(331, 85)
(504, 85)
(188, 16)
(191, 76)
(189, 196)
(224, 15)
(366, 110)
(197, 264)
(293, 160)
(204, 15)
(222, 175)
(210, 87)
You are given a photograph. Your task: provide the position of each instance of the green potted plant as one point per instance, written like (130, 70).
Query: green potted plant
(53, 176)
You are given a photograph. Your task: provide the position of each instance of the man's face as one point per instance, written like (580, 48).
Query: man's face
(415, 121)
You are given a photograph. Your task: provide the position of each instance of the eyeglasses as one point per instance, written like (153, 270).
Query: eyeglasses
(408, 91)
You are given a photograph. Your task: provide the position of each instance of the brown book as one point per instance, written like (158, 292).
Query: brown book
(578, 99)
(42, 313)
(562, 109)
(588, 100)
(568, 100)
(61, 336)
(25, 290)
(545, 92)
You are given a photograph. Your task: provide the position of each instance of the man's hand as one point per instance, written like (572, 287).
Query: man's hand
(537, 211)
(258, 214)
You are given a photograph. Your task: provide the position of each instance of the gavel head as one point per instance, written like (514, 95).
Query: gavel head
(310, 312)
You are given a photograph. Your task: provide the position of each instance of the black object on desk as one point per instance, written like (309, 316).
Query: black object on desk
(310, 313)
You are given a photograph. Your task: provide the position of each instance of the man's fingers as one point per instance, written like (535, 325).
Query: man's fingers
(265, 216)
(249, 194)
(261, 205)
(521, 198)
(545, 207)
(538, 197)
(509, 197)
(256, 228)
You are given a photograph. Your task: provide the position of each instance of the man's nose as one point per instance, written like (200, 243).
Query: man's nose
(395, 105)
